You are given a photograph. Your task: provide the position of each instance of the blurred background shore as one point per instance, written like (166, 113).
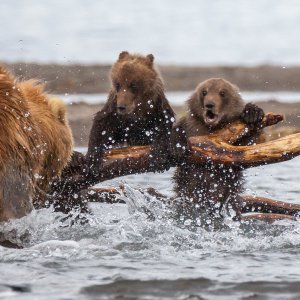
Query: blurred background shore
(84, 89)
(94, 78)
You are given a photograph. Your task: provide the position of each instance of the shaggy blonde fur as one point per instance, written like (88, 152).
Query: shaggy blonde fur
(35, 143)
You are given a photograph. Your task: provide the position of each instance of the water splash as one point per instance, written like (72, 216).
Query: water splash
(143, 225)
(140, 241)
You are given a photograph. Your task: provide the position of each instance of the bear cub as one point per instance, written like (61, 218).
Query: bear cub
(136, 113)
(214, 103)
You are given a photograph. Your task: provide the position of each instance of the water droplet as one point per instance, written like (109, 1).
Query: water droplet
(36, 176)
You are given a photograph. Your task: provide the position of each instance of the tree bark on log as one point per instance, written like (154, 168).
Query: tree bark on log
(216, 148)
(220, 152)
(124, 161)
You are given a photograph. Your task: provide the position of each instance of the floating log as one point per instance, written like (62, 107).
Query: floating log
(266, 205)
(267, 217)
(216, 148)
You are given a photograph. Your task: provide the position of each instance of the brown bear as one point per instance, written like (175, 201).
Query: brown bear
(214, 103)
(35, 144)
(137, 112)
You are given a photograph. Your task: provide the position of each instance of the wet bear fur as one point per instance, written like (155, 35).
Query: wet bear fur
(35, 144)
(214, 103)
(137, 112)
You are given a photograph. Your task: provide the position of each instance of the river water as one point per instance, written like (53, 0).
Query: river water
(122, 254)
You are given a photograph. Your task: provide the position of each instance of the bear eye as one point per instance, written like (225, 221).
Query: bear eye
(204, 93)
(118, 86)
(134, 87)
(222, 94)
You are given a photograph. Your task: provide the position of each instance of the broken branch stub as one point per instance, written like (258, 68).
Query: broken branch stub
(219, 152)
(233, 132)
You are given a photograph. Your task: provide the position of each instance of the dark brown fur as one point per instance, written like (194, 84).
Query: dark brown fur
(136, 112)
(214, 103)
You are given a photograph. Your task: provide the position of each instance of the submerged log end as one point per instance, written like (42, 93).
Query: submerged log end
(267, 217)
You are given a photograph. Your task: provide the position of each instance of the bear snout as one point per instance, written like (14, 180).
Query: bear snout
(209, 105)
(125, 105)
(121, 108)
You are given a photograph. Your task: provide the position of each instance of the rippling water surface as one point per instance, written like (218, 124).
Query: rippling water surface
(123, 253)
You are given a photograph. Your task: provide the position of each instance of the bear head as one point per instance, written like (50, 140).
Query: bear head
(215, 101)
(135, 83)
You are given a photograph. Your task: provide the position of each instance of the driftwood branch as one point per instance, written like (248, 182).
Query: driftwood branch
(267, 217)
(219, 152)
(257, 204)
(216, 148)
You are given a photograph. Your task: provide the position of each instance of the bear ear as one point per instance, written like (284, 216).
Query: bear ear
(123, 55)
(150, 59)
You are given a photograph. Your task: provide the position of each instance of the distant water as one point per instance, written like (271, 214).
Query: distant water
(179, 98)
(177, 32)
(122, 254)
